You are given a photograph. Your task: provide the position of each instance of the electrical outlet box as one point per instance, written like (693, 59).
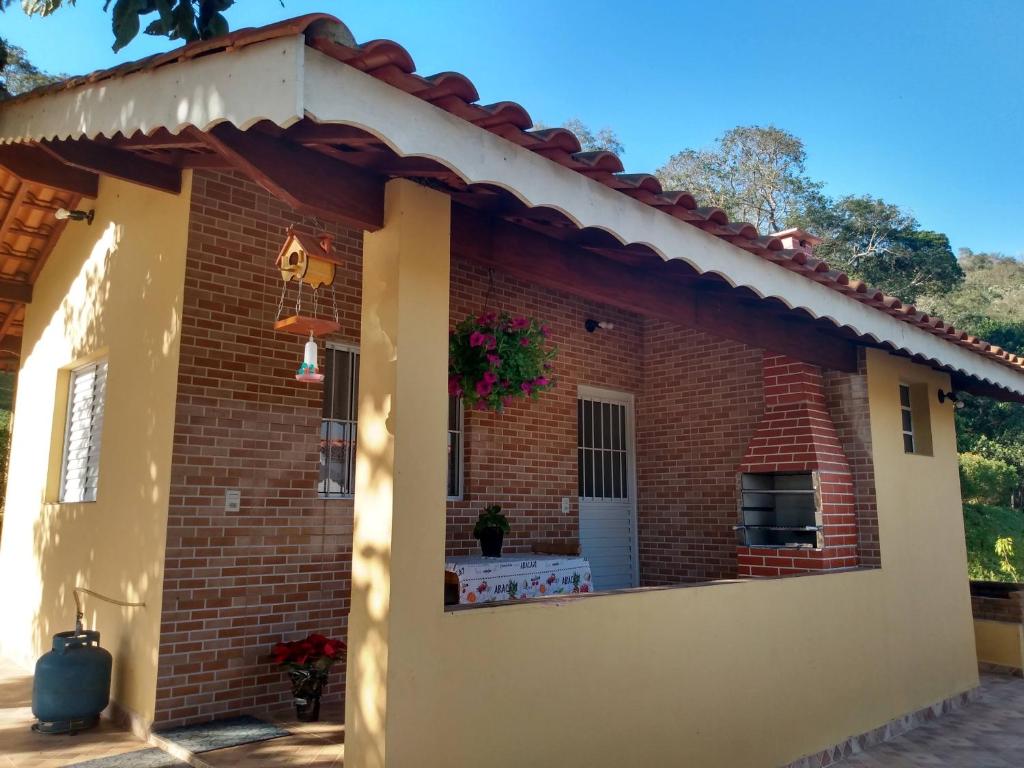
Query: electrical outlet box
(232, 500)
(565, 505)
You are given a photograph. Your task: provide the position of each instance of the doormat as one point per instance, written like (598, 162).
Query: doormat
(221, 734)
(141, 758)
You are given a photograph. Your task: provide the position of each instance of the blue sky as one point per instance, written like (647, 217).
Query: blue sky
(920, 102)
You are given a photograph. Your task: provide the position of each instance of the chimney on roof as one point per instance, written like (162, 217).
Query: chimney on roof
(796, 239)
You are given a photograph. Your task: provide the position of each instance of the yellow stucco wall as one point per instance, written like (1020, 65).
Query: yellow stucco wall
(114, 290)
(1000, 642)
(733, 674)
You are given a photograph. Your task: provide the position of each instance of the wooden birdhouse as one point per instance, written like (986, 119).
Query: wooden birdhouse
(307, 265)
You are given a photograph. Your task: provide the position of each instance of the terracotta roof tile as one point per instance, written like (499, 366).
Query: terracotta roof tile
(456, 93)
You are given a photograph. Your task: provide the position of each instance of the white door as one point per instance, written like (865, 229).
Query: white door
(607, 486)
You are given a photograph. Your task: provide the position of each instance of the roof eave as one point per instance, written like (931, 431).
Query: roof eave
(283, 80)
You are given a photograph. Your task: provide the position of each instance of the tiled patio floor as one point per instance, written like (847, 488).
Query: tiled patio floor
(987, 734)
(311, 745)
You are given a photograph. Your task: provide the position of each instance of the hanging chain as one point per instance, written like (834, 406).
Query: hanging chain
(298, 299)
(490, 288)
(280, 301)
(334, 301)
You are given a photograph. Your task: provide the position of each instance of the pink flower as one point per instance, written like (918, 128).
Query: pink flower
(494, 360)
(519, 323)
(487, 318)
(483, 388)
(506, 401)
(524, 341)
(453, 386)
(545, 331)
(526, 387)
(490, 342)
(477, 339)
(541, 381)
(490, 377)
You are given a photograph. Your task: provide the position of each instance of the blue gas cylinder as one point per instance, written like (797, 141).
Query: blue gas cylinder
(72, 683)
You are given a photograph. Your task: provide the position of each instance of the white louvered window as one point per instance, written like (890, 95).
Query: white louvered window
(80, 467)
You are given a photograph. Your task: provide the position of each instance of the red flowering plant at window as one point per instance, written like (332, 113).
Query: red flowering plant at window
(308, 662)
(494, 358)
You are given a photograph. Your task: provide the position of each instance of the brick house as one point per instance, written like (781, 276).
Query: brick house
(741, 367)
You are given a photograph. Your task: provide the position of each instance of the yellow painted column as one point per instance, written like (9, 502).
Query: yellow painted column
(401, 459)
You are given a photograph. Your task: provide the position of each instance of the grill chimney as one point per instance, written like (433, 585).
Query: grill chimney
(796, 239)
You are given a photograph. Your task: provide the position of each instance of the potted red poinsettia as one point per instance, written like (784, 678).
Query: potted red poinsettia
(308, 662)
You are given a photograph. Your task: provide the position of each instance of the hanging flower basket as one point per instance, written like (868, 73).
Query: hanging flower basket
(495, 358)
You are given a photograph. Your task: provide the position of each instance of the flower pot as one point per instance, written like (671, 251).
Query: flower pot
(490, 541)
(307, 687)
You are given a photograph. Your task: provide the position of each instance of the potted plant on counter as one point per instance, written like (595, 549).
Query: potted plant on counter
(490, 530)
(308, 662)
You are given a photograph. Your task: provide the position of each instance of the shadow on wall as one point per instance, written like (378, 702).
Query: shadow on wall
(114, 306)
(371, 567)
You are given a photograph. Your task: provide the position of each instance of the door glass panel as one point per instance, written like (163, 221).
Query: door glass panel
(602, 447)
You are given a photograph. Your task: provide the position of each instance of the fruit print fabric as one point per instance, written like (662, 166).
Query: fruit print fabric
(495, 579)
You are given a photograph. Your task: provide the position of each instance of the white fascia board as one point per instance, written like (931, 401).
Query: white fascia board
(262, 81)
(283, 80)
(336, 93)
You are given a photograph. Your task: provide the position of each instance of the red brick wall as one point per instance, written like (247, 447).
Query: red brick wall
(234, 583)
(702, 397)
(237, 582)
(525, 459)
(847, 396)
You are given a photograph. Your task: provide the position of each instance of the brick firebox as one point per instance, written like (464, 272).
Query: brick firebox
(797, 435)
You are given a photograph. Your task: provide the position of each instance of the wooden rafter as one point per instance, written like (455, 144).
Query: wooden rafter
(36, 165)
(653, 292)
(108, 161)
(10, 215)
(309, 182)
(16, 291)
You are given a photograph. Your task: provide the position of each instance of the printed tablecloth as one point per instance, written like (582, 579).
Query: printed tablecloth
(490, 579)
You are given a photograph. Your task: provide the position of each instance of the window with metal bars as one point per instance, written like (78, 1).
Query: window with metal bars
(338, 422)
(601, 448)
(80, 463)
(338, 428)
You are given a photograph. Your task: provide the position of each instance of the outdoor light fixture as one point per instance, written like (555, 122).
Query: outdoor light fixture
(62, 214)
(593, 325)
(951, 396)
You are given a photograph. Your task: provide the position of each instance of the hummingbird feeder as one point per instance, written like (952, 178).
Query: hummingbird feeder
(307, 262)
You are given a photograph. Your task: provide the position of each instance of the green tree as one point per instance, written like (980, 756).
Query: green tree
(754, 173)
(594, 141)
(880, 243)
(185, 20)
(989, 304)
(992, 291)
(17, 73)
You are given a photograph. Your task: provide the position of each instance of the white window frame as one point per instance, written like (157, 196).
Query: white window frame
(94, 441)
(462, 452)
(909, 410)
(352, 349)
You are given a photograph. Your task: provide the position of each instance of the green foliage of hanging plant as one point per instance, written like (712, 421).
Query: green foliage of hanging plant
(495, 358)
